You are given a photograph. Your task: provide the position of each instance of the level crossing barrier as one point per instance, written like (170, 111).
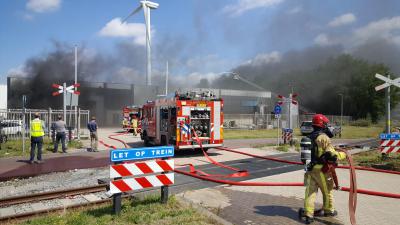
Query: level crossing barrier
(127, 176)
(287, 135)
(390, 143)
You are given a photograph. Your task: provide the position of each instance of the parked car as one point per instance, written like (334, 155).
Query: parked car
(306, 127)
(11, 127)
(336, 129)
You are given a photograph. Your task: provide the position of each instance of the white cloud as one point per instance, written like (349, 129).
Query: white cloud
(115, 28)
(242, 6)
(41, 6)
(387, 28)
(323, 40)
(265, 58)
(27, 16)
(344, 19)
(295, 10)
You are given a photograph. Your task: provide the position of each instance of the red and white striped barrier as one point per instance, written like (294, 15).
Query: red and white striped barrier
(132, 184)
(287, 136)
(140, 168)
(390, 145)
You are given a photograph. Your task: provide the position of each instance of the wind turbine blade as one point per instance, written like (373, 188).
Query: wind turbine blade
(132, 13)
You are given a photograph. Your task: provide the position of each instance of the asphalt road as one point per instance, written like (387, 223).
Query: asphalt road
(257, 168)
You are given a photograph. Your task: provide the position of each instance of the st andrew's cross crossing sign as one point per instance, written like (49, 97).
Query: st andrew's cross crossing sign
(69, 89)
(388, 82)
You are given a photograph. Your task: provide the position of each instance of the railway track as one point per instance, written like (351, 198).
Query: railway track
(52, 195)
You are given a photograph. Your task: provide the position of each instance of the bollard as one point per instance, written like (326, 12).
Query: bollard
(117, 199)
(164, 190)
(69, 134)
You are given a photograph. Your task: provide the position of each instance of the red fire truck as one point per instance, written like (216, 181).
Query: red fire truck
(172, 121)
(128, 113)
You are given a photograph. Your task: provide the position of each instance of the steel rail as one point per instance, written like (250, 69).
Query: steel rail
(25, 215)
(51, 195)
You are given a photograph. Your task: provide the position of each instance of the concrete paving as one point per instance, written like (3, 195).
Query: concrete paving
(279, 205)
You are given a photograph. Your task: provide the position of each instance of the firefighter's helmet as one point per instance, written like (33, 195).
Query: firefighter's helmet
(320, 120)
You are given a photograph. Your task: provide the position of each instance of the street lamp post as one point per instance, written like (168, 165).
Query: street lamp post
(341, 111)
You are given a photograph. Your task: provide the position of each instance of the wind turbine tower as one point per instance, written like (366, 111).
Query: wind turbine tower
(147, 6)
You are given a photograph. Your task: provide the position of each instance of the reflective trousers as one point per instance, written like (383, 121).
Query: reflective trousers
(313, 181)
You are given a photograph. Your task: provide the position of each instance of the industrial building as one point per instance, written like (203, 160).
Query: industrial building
(106, 100)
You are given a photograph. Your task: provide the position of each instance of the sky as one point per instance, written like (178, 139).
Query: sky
(199, 38)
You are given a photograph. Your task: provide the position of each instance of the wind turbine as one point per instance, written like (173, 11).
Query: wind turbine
(146, 5)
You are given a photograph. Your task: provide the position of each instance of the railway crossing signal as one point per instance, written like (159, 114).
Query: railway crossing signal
(64, 90)
(69, 89)
(388, 82)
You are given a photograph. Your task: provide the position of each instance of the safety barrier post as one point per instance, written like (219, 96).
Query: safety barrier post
(164, 190)
(117, 198)
(78, 124)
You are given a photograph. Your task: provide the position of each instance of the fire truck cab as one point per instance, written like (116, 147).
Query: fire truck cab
(173, 121)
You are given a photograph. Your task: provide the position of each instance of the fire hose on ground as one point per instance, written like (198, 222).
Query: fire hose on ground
(242, 173)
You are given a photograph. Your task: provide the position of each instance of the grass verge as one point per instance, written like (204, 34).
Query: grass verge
(147, 211)
(348, 132)
(14, 147)
(374, 159)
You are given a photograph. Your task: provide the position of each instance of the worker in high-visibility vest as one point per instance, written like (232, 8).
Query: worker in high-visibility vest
(37, 133)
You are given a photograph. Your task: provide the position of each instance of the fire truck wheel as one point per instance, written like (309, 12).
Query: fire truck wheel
(146, 139)
(163, 140)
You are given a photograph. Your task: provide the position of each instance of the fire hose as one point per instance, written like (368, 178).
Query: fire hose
(112, 137)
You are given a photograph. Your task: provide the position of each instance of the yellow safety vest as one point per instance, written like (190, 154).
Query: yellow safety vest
(36, 128)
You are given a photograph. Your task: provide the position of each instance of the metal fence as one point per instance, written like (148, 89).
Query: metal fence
(15, 122)
(268, 121)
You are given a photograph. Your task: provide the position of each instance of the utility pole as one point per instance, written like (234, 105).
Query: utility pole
(166, 80)
(388, 108)
(65, 101)
(23, 122)
(76, 88)
(290, 111)
(341, 111)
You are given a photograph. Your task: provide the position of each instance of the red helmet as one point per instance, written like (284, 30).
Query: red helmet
(320, 120)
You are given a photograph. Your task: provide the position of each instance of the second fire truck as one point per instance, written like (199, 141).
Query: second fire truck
(173, 121)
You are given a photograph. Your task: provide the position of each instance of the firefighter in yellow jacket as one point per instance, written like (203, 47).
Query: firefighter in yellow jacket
(317, 176)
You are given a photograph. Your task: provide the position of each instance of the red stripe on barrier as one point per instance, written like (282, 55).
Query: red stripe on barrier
(121, 185)
(164, 179)
(164, 165)
(144, 167)
(122, 170)
(143, 182)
